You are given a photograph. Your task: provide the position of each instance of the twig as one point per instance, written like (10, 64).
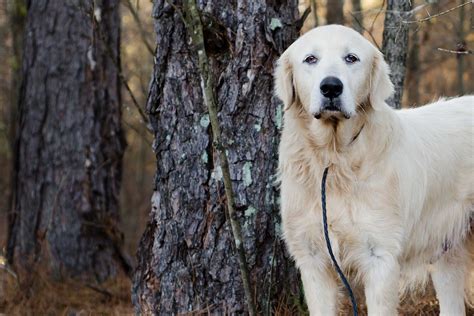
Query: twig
(314, 10)
(300, 22)
(463, 52)
(137, 131)
(122, 78)
(102, 291)
(272, 265)
(438, 14)
(134, 100)
(376, 16)
(195, 30)
(365, 29)
(4, 265)
(142, 32)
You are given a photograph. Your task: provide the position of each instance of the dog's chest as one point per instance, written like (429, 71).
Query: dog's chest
(360, 219)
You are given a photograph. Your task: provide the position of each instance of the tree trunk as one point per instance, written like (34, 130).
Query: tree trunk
(461, 47)
(357, 16)
(314, 12)
(413, 71)
(395, 45)
(70, 143)
(335, 12)
(186, 258)
(17, 20)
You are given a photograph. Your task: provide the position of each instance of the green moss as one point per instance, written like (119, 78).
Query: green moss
(204, 157)
(275, 23)
(247, 174)
(249, 216)
(278, 230)
(250, 211)
(217, 174)
(204, 121)
(279, 117)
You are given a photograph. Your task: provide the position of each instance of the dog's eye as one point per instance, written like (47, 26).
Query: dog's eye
(351, 58)
(310, 59)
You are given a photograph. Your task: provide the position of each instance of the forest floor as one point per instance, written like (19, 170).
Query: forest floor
(44, 297)
(75, 298)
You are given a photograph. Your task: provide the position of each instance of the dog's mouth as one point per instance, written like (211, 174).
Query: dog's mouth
(332, 109)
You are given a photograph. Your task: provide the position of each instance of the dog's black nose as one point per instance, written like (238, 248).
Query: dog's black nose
(331, 87)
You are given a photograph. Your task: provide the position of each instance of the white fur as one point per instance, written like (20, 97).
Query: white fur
(396, 195)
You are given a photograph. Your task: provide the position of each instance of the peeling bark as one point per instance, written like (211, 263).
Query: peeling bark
(70, 143)
(186, 258)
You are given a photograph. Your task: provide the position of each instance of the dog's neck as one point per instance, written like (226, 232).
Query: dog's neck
(330, 135)
(338, 133)
(343, 144)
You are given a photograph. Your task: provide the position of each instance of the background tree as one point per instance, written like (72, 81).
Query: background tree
(395, 45)
(461, 47)
(17, 16)
(69, 147)
(357, 16)
(413, 69)
(437, 72)
(314, 12)
(335, 12)
(186, 258)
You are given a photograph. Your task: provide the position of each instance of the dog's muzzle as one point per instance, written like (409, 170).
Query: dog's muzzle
(331, 88)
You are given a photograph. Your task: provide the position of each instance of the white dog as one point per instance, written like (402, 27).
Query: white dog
(400, 188)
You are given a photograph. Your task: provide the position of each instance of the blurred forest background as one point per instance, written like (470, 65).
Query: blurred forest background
(439, 63)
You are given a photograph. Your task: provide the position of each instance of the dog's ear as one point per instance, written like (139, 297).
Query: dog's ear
(284, 88)
(381, 88)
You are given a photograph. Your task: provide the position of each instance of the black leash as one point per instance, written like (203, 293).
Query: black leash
(328, 244)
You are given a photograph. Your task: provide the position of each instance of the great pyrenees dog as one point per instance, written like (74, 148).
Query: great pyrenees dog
(400, 187)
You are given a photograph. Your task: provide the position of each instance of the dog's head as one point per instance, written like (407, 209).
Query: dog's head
(332, 71)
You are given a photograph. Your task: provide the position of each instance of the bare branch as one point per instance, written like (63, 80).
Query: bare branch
(134, 100)
(314, 9)
(438, 14)
(376, 16)
(299, 24)
(457, 52)
(365, 29)
(138, 22)
(137, 131)
(124, 81)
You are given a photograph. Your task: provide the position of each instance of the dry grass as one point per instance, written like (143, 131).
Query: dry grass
(423, 305)
(68, 297)
(72, 297)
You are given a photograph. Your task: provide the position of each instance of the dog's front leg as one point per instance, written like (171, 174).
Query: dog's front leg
(448, 279)
(320, 287)
(381, 278)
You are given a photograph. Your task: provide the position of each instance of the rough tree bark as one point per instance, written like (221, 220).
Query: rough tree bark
(186, 258)
(335, 12)
(395, 45)
(70, 143)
